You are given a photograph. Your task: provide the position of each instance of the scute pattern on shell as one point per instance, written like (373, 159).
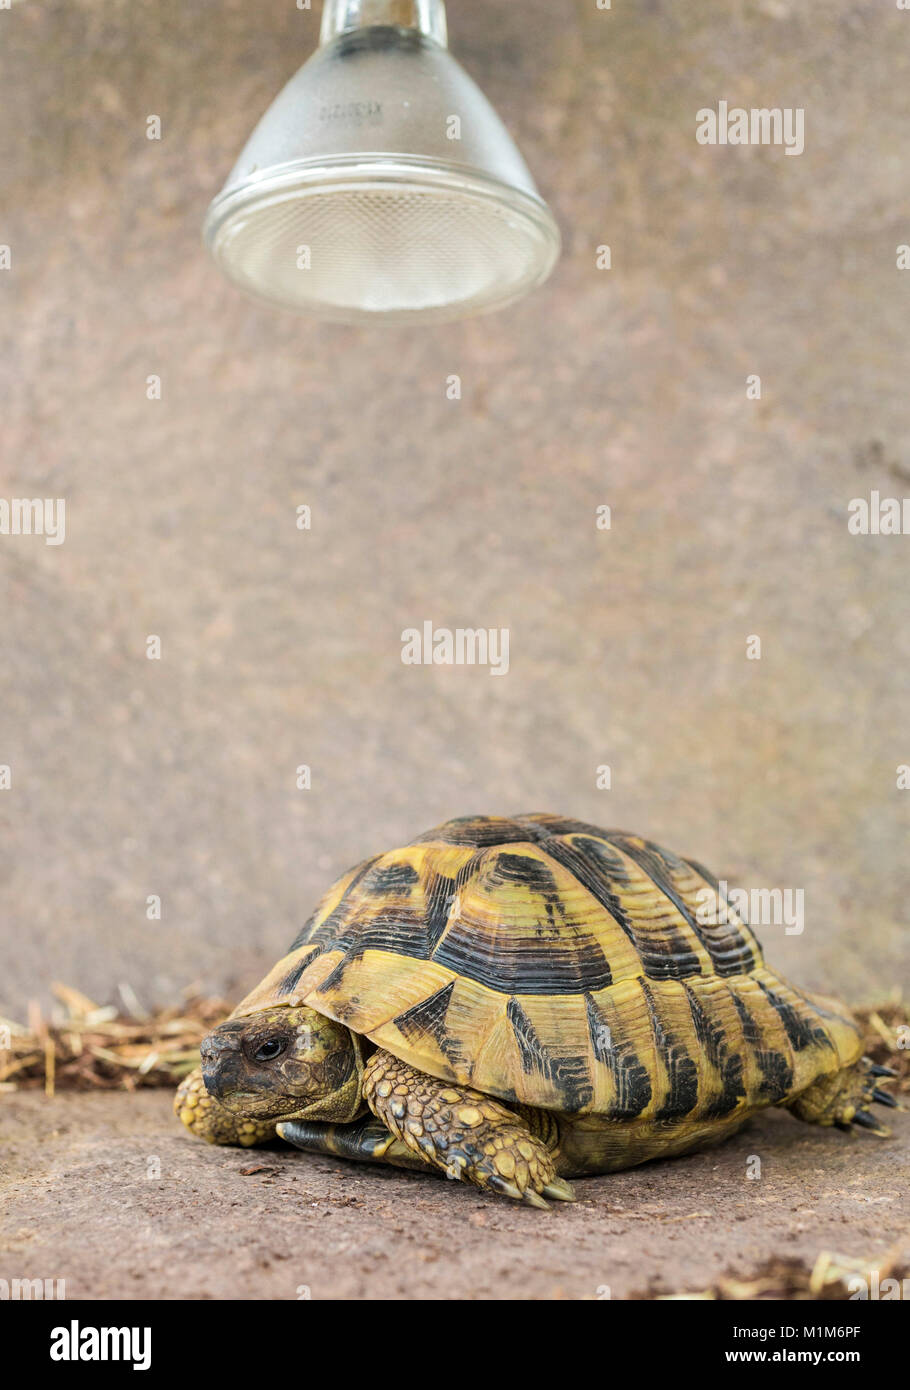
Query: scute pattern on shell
(549, 962)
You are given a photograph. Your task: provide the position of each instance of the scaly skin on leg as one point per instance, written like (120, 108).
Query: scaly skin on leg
(208, 1120)
(463, 1133)
(843, 1099)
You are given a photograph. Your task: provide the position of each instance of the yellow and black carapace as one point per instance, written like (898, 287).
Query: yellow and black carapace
(517, 1001)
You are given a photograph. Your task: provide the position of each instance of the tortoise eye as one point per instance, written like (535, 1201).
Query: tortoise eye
(268, 1051)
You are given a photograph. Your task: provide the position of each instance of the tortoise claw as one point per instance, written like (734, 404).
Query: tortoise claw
(875, 1070)
(532, 1199)
(510, 1189)
(507, 1189)
(862, 1117)
(560, 1191)
(883, 1098)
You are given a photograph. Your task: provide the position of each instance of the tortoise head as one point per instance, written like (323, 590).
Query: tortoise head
(284, 1063)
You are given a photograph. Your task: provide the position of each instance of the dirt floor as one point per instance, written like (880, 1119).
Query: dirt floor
(106, 1192)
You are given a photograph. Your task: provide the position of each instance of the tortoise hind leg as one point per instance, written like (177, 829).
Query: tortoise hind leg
(366, 1141)
(462, 1133)
(843, 1099)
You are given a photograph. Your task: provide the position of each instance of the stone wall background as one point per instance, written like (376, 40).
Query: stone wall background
(177, 777)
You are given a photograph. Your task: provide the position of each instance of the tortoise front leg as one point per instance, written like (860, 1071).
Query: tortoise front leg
(366, 1141)
(207, 1119)
(461, 1132)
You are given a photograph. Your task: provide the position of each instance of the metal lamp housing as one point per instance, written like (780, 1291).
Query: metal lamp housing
(381, 184)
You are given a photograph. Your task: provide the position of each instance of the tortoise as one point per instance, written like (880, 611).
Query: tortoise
(517, 1001)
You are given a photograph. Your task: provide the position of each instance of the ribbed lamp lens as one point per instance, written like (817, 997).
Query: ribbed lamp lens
(404, 243)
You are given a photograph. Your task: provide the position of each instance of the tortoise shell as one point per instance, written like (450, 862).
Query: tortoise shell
(545, 961)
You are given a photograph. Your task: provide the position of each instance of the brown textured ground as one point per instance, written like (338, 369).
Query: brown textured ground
(82, 1204)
